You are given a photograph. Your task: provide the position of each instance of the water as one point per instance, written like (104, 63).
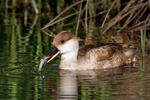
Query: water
(22, 45)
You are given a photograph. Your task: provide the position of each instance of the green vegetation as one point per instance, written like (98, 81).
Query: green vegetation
(26, 27)
(143, 41)
(86, 17)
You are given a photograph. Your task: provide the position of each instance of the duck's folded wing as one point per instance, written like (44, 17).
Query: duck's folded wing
(102, 53)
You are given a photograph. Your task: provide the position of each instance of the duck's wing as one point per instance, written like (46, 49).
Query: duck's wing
(99, 52)
(83, 50)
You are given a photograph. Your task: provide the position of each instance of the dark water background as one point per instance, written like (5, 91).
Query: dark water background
(22, 45)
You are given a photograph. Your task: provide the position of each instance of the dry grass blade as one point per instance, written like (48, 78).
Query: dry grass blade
(49, 33)
(129, 10)
(140, 25)
(57, 21)
(68, 8)
(86, 15)
(142, 13)
(134, 13)
(118, 17)
(107, 14)
(78, 22)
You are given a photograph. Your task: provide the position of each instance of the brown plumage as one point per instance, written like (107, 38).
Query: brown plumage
(107, 51)
(62, 37)
(91, 56)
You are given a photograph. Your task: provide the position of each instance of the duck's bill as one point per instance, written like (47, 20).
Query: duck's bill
(52, 53)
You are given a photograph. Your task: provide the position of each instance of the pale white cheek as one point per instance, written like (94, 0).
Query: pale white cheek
(64, 48)
(68, 46)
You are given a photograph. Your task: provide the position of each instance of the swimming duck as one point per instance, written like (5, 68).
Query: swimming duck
(87, 57)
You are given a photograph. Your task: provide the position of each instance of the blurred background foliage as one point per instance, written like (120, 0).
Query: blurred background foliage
(90, 19)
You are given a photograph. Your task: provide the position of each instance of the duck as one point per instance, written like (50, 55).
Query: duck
(88, 57)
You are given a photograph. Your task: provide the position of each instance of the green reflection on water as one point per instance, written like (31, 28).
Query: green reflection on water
(13, 93)
(13, 53)
(22, 46)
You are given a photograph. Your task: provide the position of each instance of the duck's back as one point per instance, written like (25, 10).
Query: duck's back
(106, 55)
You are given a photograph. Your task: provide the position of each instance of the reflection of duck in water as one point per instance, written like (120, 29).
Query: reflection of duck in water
(68, 88)
(88, 57)
(75, 84)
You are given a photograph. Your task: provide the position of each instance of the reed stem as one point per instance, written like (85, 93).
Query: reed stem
(143, 40)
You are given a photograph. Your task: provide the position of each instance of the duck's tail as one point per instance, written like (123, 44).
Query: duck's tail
(130, 53)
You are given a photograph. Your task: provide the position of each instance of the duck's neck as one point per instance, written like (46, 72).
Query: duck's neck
(70, 56)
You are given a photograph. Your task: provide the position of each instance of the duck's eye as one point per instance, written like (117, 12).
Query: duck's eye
(62, 41)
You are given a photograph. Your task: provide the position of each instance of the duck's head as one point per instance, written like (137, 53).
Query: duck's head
(63, 43)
